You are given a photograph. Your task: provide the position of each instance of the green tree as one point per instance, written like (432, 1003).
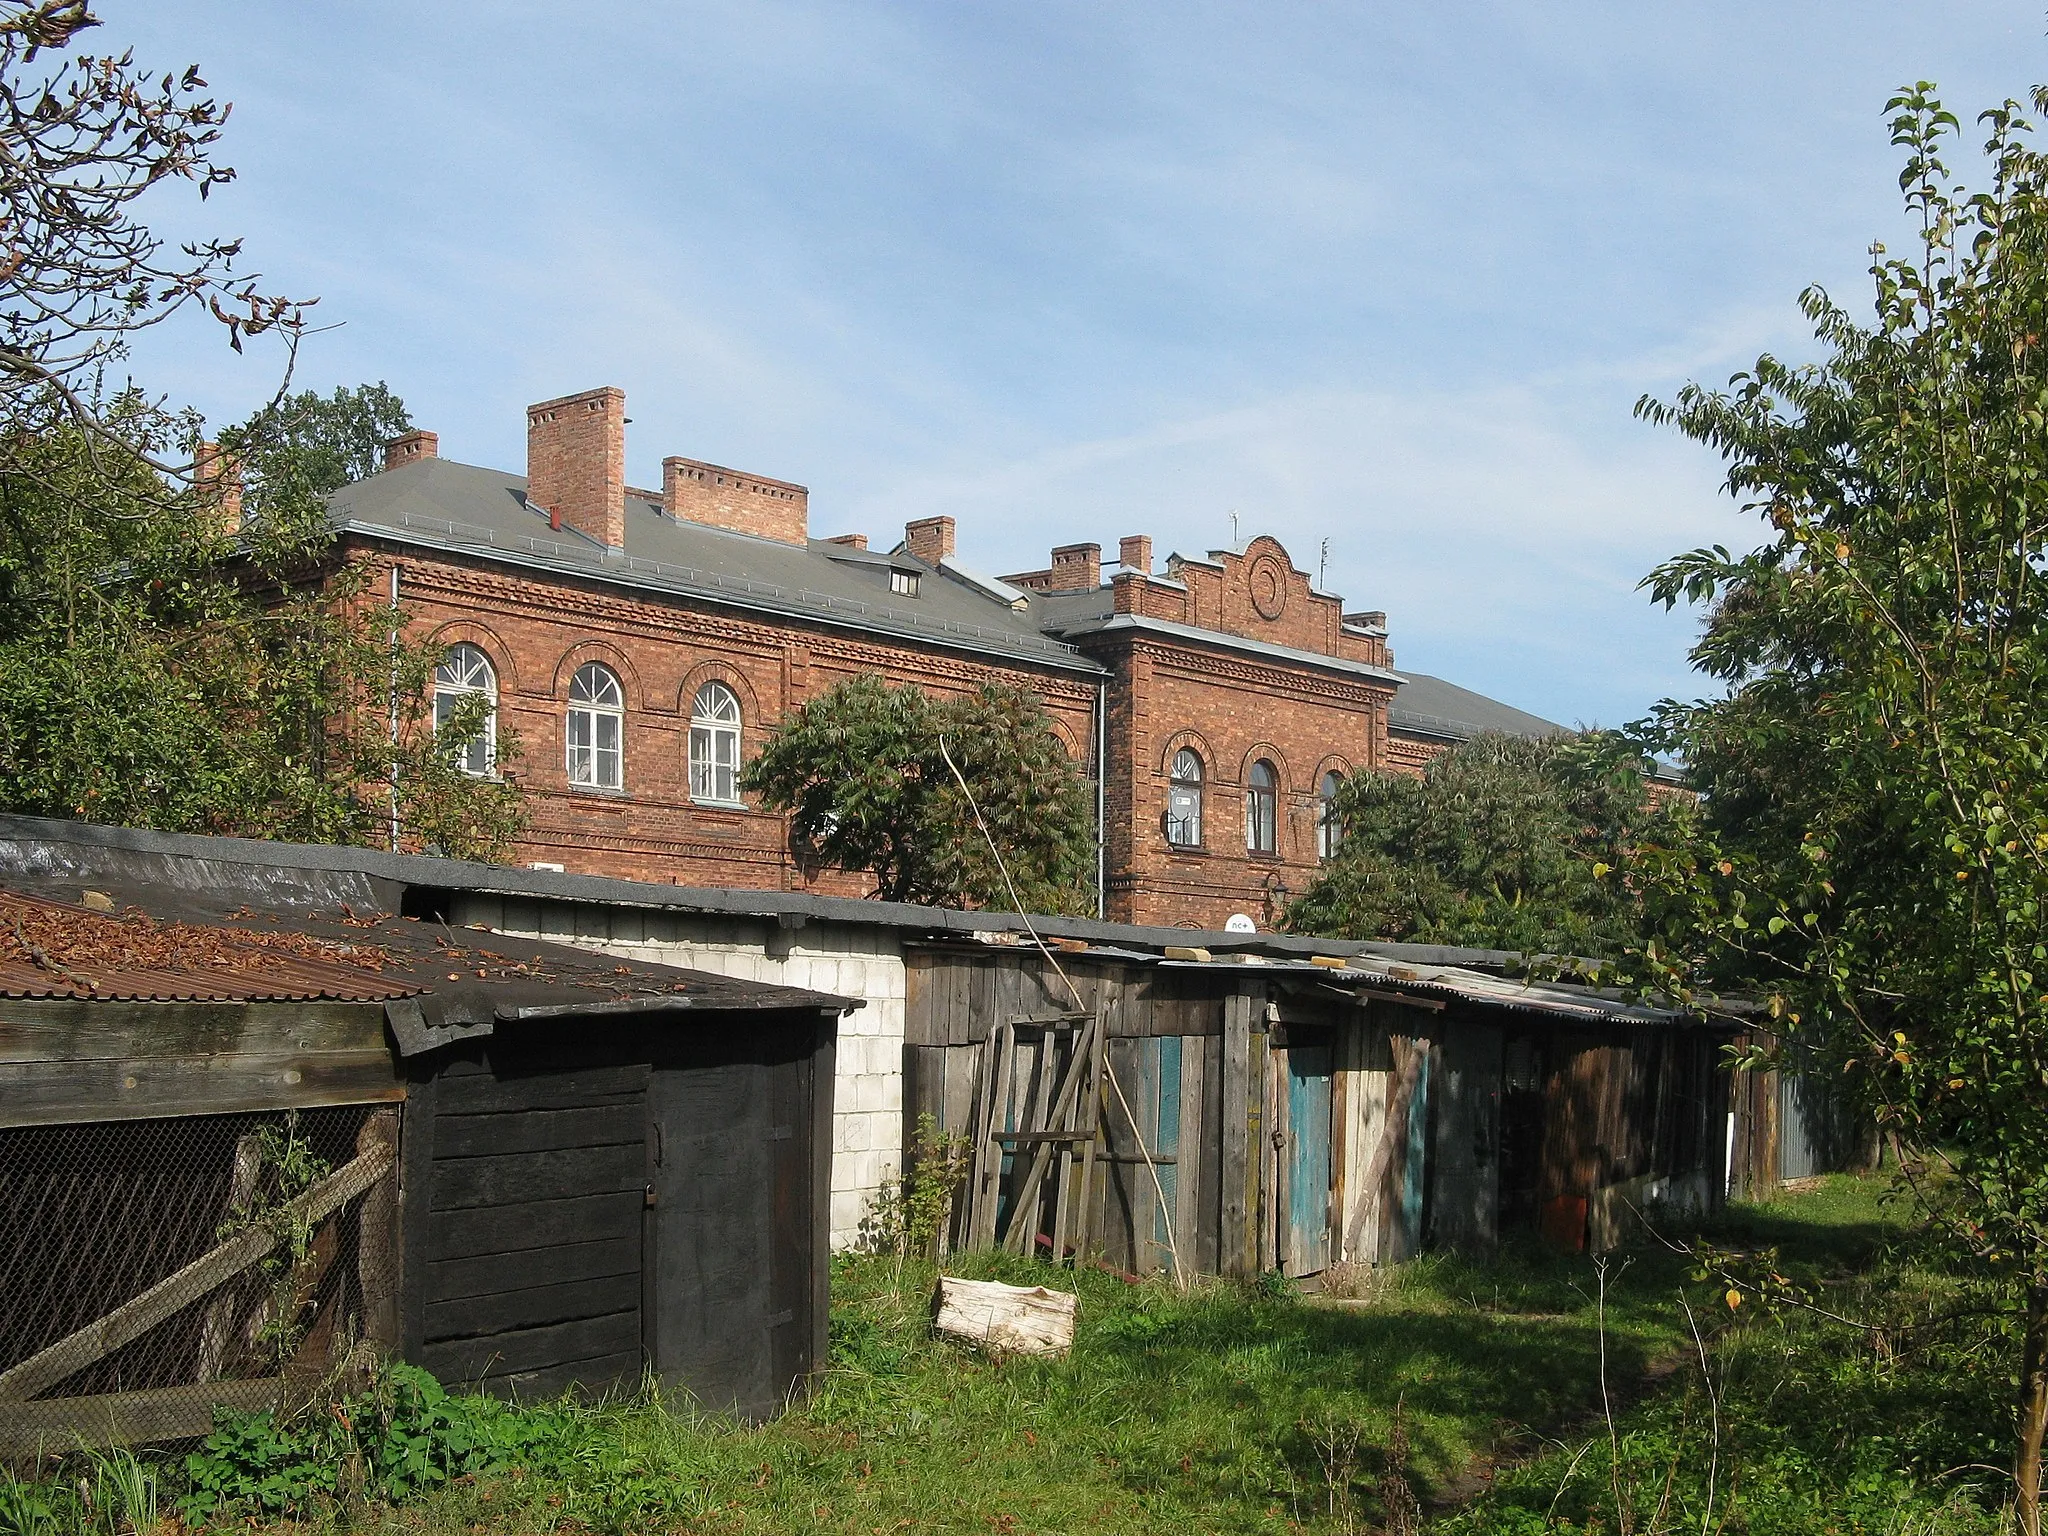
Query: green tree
(1873, 853)
(309, 444)
(163, 662)
(1502, 842)
(161, 667)
(861, 772)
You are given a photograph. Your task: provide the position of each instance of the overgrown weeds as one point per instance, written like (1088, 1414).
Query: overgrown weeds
(1224, 1408)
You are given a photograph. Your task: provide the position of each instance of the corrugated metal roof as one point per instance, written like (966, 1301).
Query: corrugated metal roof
(49, 949)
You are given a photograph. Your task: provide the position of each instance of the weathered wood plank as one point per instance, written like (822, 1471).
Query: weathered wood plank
(1237, 1256)
(523, 1176)
(61, 1029)
(920, 974)
(59, 1425)
(517, 1228)
(537, 1130)
(379, 1263)
(153, 1087)
(453, 1279)
(1262, 1198)
(589, 1379)
(1464, 1172)
(1202, 1133)
(101, 1337)
(533, 1349)
(1366, 1076)
(464, 1317)
(469, 1088)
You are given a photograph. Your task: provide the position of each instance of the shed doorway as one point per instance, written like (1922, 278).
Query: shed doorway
(729, 1298)
(1305, 1227)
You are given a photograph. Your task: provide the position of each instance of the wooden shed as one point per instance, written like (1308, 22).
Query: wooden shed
(1237, 1114)
(525, 1167)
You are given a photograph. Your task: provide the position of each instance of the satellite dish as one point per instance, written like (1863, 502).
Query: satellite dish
(1239, 923)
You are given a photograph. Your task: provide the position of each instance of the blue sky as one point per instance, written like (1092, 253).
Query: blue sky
(1390, 276)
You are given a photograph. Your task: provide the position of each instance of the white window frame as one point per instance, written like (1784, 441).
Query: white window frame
(1186, 776)
(465, 670)
(1262, 809)
(594, 734)
(715, 723)
(1328, 833)
(903, 583)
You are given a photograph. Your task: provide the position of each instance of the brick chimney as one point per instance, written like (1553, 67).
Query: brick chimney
(410, 448)
(929, 538)
(576, 462)
(696, 492)
(1076, 567)
(850, 540)
(217, 481)
(1134, 553)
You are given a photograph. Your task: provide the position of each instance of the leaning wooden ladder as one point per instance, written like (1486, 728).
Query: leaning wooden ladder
(1061, 1130)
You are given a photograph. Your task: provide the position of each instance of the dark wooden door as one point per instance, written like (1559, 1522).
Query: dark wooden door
(730, 1283)
(531, 1225)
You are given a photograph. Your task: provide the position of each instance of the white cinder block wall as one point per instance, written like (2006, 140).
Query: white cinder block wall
(849, 961)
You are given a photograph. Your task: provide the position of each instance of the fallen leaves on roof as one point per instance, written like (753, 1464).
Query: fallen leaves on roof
(51, 949)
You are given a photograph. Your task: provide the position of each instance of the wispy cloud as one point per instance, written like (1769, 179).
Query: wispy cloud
(1391, 277)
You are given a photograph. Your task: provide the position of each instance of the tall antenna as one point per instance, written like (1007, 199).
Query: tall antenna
(1323, 568)
(1235, 541)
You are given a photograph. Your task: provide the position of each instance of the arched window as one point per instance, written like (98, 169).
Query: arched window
(463, 671)
(1184, 800)
(1329, 831)
(597, 728)
(715, 746)
(1262, 809)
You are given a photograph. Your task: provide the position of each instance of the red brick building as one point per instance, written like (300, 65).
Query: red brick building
(639, 644)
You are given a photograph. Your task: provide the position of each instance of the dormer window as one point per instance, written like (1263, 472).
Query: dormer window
(903, 583)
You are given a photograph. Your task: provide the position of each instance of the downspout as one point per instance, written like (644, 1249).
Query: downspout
(1101, 780)
(394, 706)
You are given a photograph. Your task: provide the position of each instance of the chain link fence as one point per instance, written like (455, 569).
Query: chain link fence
(153, 1269)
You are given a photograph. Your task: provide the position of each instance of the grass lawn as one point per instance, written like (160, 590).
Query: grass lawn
(1237, 1409)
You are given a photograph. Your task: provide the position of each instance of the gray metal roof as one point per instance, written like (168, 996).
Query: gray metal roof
(440, 504)
(1429, 706)
(1216, 639)
(226, 872)
(273, 875)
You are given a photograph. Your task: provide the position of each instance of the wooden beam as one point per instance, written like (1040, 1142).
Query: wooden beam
(1024, 1221)
(1235, 1243)
(100, 1338)
(57, 1425)
(150, 1087)
(79, 1029)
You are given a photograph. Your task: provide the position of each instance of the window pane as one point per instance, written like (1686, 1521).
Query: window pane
(716, 705)
(475, 756)
(700, 763)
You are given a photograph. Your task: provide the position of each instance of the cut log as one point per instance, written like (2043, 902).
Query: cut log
(1006, 1319)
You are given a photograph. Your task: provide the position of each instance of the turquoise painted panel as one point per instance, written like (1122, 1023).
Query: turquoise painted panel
(1166, 1074)
(1415, 1170)
(1309, 1072)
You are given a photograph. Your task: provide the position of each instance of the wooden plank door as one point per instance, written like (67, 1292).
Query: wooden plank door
(1305, 1233)
(729, 1284)
(530, 1229)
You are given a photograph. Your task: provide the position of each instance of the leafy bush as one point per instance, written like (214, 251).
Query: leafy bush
(406, 1435)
